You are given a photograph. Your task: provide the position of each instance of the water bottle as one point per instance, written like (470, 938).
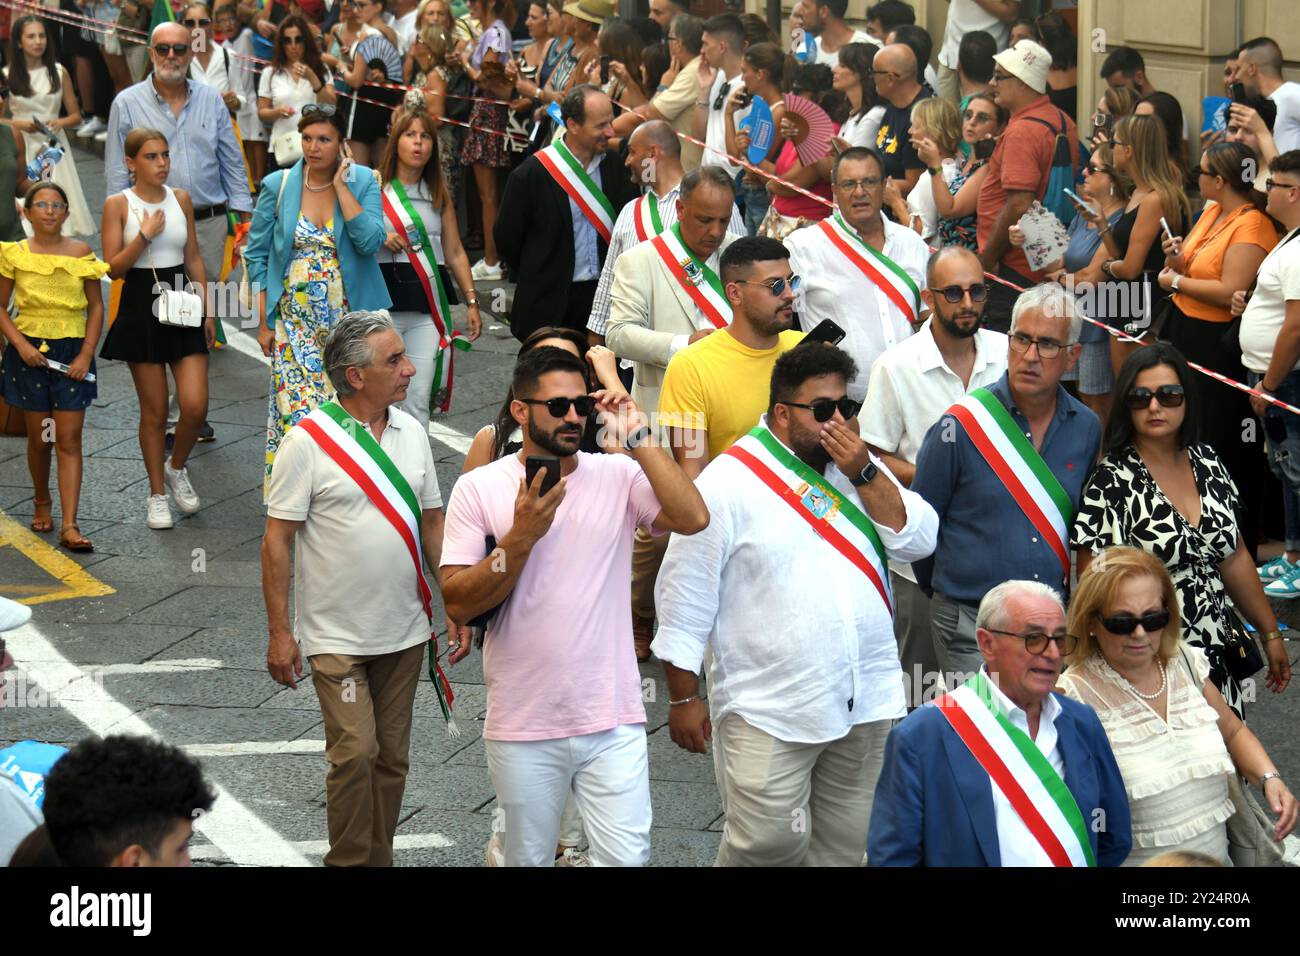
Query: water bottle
(37, 168)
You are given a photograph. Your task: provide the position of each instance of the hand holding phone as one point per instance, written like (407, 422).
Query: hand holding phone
(534, 510)
(1078, 201)
(825, 331)
(548, 466)
(604, 69)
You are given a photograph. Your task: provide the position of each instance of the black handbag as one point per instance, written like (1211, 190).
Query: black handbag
(1242, 657)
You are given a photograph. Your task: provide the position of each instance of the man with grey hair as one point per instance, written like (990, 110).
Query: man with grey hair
(354, 490)
(676, 104)
(1003, 771)
(1004, 467)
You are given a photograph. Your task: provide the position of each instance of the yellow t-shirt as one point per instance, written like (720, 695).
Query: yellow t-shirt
(720, 386)
(49, 290)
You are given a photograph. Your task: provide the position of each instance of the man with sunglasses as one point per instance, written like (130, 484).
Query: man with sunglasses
(1004, 467)
(787, 590)
(722, 56)
(862, 271)
(564, 705)
(1003, 771)
(912, 385)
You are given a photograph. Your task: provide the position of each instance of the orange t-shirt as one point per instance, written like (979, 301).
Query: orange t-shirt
(1205, 246)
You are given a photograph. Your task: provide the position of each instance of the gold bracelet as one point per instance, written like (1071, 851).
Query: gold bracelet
(1271, 636)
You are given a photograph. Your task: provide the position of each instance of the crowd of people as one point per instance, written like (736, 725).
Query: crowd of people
(936, 535)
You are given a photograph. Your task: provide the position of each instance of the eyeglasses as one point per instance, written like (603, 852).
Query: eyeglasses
(1036, 641)
(1204, 172)
(318, 109)
(775, 286)
(999, 77)
(559, 407)
(1122, 624)
(1047, 348)
(1114, 142)
(1169, 396)
(823, 409)
(49, 205)
(294, 41)
(851, 186)
(1272, 183)
(197, 23)
(175, 49)
(954, 293)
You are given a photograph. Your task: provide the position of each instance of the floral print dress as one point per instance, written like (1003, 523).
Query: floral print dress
(313, 302)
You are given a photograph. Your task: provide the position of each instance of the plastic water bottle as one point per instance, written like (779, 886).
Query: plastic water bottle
(37, 168)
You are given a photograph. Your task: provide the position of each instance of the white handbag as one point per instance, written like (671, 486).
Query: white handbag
(175, 307)
(287, 148)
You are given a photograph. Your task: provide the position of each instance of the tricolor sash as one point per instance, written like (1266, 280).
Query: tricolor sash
(841, 523)
(1020, 468)
(351, 446)
(406, 222)
(1020, 771)
(887, 275)
(646, 218)
(699, 281)
(582, 189)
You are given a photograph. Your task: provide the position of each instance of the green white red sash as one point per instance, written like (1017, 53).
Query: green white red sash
(699, 281)
(404, 220)
(840, 522)
(646, 218)
(1020, 771)
(886, 274)
(582, 189)
(1020, 468)
(351, 446)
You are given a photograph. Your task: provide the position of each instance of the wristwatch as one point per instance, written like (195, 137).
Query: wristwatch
(1267, 777)
(637, 437)
(865, 476)
(1173, 283)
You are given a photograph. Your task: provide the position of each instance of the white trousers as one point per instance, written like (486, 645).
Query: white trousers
(609, 775)
(421, 340)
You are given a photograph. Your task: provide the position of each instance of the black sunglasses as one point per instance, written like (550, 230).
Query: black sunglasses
(559, 407)
(1126, 623)
(954, 293)
(295, 41)
(197, 23)
(721, 98)
(318, 109)
(1170, 396)
(823, 409)
(176, 49)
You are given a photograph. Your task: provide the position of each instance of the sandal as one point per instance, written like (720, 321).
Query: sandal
(43, 524)
(70, 537)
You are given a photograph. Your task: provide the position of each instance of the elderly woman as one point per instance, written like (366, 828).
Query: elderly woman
(314, 237)
(1174, 737)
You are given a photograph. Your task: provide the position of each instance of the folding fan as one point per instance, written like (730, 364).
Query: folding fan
(815, 129)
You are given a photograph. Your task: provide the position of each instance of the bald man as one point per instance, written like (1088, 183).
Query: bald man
(895, 76)
(654, 158)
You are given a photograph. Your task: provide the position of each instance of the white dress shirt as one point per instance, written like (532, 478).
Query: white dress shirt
(1016, 845)
(802, 645)
(716, 124)
(225, 71)
(834, 288)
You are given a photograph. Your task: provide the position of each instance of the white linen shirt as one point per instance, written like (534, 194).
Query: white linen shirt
(963, 17)
(834, 288)
(716, 123)
(1016, 845)
(225, 72)
(354, 582)
(802, 646)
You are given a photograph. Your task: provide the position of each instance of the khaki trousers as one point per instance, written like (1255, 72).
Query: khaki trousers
(367, 703)
(795, 804)
(949, 85)
(647, 555)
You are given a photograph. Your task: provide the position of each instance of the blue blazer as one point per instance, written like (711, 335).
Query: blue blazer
(934, 803)
(269, 247)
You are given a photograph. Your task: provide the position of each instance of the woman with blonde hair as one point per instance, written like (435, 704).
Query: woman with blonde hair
(1174, 737)
(937, 121)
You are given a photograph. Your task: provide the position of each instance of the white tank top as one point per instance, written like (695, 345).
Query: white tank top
(168, 247)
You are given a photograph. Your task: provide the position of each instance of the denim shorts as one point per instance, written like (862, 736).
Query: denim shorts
(42, 389)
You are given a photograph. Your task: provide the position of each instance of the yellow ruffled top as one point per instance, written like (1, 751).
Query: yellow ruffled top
(50, 293)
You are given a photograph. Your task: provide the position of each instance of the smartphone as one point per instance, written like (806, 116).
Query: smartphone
(1238, 92)
(604, 69)
(1164, 224)
(984, 148)
(60, 367)
(1076, 199)
(1102, 121)
(548, 463)
(825, 331)
(744, 99)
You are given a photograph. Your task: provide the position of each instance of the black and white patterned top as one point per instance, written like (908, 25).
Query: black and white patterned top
(1123, 505)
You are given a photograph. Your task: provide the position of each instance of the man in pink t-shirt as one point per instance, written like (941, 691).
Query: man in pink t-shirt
(564, 693)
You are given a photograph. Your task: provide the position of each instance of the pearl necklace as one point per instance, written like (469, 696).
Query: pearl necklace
(306, 181)
(1133, 687)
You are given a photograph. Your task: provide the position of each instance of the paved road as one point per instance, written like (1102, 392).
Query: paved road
(178, 644)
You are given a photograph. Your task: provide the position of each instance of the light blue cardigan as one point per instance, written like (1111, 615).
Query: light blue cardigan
(269, 247)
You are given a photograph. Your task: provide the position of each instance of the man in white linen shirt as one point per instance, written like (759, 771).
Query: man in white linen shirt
(912, 385)
(785, 589)
(860, 270)
(721, 58)
(964, 16)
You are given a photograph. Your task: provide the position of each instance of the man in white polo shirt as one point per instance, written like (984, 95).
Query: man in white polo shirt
(355, 491)
(912, 385)
(992, 16)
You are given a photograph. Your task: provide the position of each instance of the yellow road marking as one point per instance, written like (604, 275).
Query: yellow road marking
(74, 580)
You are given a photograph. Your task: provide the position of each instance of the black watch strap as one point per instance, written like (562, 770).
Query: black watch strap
(865, 476)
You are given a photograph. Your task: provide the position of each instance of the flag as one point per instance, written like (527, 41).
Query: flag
(162, 13)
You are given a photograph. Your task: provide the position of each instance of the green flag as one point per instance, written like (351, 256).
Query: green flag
(162, 13)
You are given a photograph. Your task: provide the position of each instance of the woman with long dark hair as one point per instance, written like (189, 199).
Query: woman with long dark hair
(1169, 112)
(295, 78)
(1062, 78)
(852, 76)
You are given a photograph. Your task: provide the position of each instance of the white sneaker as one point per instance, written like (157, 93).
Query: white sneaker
(101, 137)
(486, 273)
(91, 126)
(572, 856)
(160, 515)
(178, 483)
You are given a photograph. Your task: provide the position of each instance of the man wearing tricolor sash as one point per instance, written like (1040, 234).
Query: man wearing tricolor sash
(787, 590)
(1005, 468)
(355, 492)
(859, 269)
(557, 216)
(1002, 771)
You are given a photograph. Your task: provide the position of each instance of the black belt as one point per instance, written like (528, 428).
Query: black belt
(207, 212)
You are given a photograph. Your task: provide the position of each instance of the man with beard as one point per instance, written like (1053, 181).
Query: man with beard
(1004, 468)
(912, 385)
(787, 590)
(860, 270)
(564, 707)
(557, 217)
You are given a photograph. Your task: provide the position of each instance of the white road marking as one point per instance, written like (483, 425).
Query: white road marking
(159, 667)
(243, 343)
(403, 841)
(242, 836)
(247, 748)
(453, 439)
